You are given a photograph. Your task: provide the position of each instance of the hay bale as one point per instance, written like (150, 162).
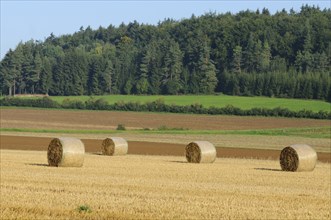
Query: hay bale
(66, 152)
(298, 157)
(200, 152)
(114, 146)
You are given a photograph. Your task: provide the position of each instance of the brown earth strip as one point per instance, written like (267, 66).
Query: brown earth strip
(108, 120)
(144, 148)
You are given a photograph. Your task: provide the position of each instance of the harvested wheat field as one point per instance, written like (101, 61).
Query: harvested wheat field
(159, 187)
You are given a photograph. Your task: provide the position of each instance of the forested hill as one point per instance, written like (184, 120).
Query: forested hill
(286, 54)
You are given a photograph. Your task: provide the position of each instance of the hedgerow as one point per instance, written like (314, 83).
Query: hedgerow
(159, 106)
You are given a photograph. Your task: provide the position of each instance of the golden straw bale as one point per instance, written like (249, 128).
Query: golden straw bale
(66, 152)
(114, 146)
(200, 152)
(298, 157)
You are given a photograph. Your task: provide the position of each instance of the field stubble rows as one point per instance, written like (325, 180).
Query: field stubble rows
(160, 187)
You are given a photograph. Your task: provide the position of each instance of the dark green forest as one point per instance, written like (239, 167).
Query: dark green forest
(251, 53)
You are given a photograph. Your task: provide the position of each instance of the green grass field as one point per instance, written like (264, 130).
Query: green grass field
(216, 101)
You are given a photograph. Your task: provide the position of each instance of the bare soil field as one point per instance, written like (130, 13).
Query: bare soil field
(99, 120)
(144, 148)
(159, 187)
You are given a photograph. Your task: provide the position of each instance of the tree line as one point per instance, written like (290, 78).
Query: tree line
(253, 53)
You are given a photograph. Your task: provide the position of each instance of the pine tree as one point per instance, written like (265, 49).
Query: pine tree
(184, 79)
(125, 66)
(45, 76)
(106, 78)
(94, 75)
(154, 63)
(57, 77)
(237, 59)
(250, 56)
(34, 76)
(128, 87)
(28, 77)
(266, 56)
(7, 79)
(172, 68)
(142, 82)
(208, 80)
(304, 59)
(258, 51)
(194, 82)
(17, 64)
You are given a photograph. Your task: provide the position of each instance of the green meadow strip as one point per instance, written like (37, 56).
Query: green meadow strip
(161, 106)
(206, 101)
(318, 132)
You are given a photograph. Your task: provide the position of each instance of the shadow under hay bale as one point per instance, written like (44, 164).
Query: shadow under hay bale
(200, 152)
(66, 152)
(114, 146)
(298, 157)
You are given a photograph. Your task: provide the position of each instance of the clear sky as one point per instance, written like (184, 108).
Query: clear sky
(22, 20)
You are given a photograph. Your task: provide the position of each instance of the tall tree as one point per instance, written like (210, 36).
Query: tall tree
(172, 68)
(207, 71)
(28, 77)
(45, 76)
(142, 81)
(263, 56)
(94, 75)
(106, 78)
(250, 54)
(126, 65)
(7, 79)
(34, 76)
(237, 59)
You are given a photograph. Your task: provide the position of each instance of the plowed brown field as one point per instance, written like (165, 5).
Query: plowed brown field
(61, 119)
(143, 148)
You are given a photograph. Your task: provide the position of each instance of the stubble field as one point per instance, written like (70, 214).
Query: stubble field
(159, 187)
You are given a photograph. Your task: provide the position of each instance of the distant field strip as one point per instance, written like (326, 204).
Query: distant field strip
(132, 187)
(322, 132)
(219, 140)
(215, 100)
(109, 120)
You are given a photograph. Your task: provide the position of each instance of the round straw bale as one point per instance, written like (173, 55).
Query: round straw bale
(298, 157)
(200, 152)
(114, 146)
(66, 152)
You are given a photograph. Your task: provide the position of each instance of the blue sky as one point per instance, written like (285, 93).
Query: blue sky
(25, 20)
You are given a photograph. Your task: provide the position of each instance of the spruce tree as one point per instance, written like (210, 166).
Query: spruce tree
(237, 59)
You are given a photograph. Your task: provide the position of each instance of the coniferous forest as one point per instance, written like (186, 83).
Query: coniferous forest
(251, 53)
